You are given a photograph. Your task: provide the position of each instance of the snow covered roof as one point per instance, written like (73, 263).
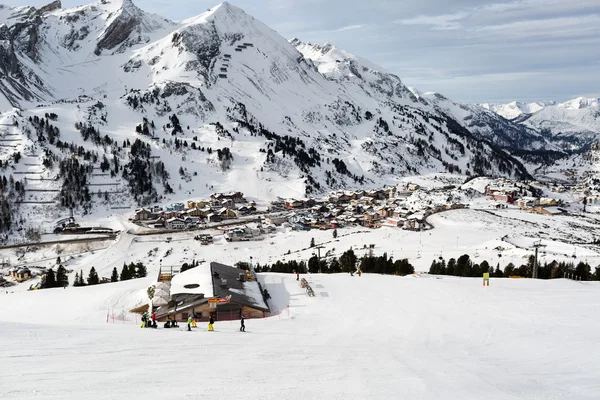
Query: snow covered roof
(200, 276)
(554, 210)
(244, 293)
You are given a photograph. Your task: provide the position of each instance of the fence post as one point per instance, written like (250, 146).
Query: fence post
(107, 316)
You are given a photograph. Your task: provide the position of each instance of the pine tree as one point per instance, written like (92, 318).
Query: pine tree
(125, 273)
(76, 281)
(313, 265)
(140, 270)
(335, 234)
(115, 275)
(132, 271)
(312, 242)
(81, 281)
(50, 280)
(498, 272)
(93, 277)
(62, 280)
(348, 261)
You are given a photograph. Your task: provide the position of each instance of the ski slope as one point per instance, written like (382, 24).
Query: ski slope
(375, 337)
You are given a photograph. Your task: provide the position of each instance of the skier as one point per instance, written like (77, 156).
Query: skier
(211, 321)
(297, 276)
(144, 319)
(153, 319)
(189, 321)
(243, 327)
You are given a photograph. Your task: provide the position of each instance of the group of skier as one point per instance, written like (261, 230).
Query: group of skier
(191, 322)
(149, 321)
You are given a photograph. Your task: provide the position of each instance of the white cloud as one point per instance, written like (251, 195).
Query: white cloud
(349, 28)
(439, 22)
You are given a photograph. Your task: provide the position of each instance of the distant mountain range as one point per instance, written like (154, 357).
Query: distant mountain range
(577, 121)
(105, 103)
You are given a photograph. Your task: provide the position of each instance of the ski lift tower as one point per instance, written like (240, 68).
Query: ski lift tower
(536, 245)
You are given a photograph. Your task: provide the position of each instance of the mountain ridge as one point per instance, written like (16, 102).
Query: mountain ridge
(167, 110)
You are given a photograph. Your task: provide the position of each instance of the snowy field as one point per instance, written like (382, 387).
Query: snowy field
(373, 337)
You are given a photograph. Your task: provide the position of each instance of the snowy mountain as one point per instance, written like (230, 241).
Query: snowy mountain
(115, 105)
(515, 109)
(575, 123)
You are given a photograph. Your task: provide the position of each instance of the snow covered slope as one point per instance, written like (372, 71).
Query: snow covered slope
(376, 337)
(145, 110)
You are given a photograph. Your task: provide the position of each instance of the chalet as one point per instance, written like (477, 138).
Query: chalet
(394, 222)
(527, 202)
(227, 203)
(292, 203)
(502, 197)
(236, 291)
(143, 215)
(412, 224)
(375, 194)
(371, 217)
(191, 221)
(175, 223)
(159, 223)
(385, 212)
(20, 274)
(237, 197)
(245, 210)
(212, 217)
(390, 192)
(242, 234)
(401, 212)
(226, 213)
(309, 202)
(190, 204)
(175, 207)
(333, 198)
(276, 219)
(268, 228)
(197, 212)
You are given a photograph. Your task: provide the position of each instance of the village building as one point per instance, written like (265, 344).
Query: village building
(276, 219)
(293, 203)
(20, 274)
(213, 217)
(226, 213)
(175, 223)
(175, 207)
(192, 292)
(143, 215)
(236, 197)
(527, 202)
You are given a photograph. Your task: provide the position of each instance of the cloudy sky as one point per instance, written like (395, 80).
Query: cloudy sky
(469, 50)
